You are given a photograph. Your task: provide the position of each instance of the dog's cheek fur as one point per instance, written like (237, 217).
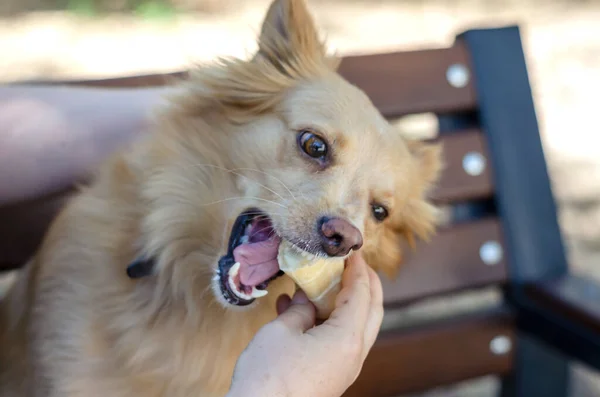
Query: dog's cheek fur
(385, 253)
(418, 216)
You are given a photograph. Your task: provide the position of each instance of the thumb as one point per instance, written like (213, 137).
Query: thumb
(300, 315)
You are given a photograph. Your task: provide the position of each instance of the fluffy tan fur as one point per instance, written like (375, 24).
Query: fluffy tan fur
(75, 325)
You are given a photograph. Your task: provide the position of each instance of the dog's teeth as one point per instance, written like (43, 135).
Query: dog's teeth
(216, 277)
(234, 288)
(233, 272)
(232, 284)
(258, 293)
(235, 269)
(244, 239)
(243, 295)
(236, 291)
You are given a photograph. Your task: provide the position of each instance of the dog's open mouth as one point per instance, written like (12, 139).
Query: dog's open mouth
(251, 259)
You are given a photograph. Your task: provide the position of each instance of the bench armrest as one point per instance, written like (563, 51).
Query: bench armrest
(564, 312)
(575, 297)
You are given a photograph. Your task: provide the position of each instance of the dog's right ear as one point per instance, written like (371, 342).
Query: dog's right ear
(289, 34)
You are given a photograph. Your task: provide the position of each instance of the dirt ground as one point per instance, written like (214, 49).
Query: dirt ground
(561, 40)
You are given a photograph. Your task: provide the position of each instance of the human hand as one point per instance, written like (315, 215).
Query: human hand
(292, 357)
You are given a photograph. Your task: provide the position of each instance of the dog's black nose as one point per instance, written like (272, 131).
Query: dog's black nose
(338, 236)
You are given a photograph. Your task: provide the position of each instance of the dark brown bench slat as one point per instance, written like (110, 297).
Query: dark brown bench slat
(23, 227)
(448, 263)
(398, 83)
(132, 81)
(412, 360)
(401, 83)
(456, 184)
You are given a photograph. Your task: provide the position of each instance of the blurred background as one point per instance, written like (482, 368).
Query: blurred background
(46, 39)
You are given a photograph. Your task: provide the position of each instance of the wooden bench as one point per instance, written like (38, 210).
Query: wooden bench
(503, 230)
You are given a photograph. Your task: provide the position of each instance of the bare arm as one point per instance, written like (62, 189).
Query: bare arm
(51, 136)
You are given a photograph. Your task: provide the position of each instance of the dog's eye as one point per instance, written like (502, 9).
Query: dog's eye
(312, 144)
(379, 212)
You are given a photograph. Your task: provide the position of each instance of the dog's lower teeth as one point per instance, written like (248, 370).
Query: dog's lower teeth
(237, 292)
(258, 293)
(233, 272)
(235, 269)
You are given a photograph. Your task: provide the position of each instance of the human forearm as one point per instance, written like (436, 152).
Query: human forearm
(51, 136)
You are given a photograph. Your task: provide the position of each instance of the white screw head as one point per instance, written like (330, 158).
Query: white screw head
(491, 253)
(474, 163)
(457, 75)
(500, 345)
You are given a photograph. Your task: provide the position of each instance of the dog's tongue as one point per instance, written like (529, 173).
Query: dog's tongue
(258, 261)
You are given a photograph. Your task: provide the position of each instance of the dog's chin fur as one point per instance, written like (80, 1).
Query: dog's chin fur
(75, 325)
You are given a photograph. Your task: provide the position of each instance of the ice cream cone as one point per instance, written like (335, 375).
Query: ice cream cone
(319, 278)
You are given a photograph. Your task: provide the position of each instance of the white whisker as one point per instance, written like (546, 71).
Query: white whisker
(263, 229)
(269, 175)
(244, 176)
(245, 198)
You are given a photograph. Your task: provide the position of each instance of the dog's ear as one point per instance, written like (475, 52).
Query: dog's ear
(429, 161)
(288, 33)
(421, 215)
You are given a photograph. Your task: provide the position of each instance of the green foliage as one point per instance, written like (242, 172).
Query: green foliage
(82, 8)
(152, 10)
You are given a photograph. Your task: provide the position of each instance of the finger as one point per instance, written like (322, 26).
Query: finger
(376, 312)
(300, 315)
(353, 301)
(282, 304)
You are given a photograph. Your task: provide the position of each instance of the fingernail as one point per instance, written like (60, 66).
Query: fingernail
(300, 298)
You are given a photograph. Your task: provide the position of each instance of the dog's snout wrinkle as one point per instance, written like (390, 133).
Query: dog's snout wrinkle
(339, 236)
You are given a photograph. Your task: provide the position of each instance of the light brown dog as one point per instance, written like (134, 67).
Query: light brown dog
(135, 291)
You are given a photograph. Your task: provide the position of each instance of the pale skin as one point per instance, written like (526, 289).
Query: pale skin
(50, 136)
(299, 359)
